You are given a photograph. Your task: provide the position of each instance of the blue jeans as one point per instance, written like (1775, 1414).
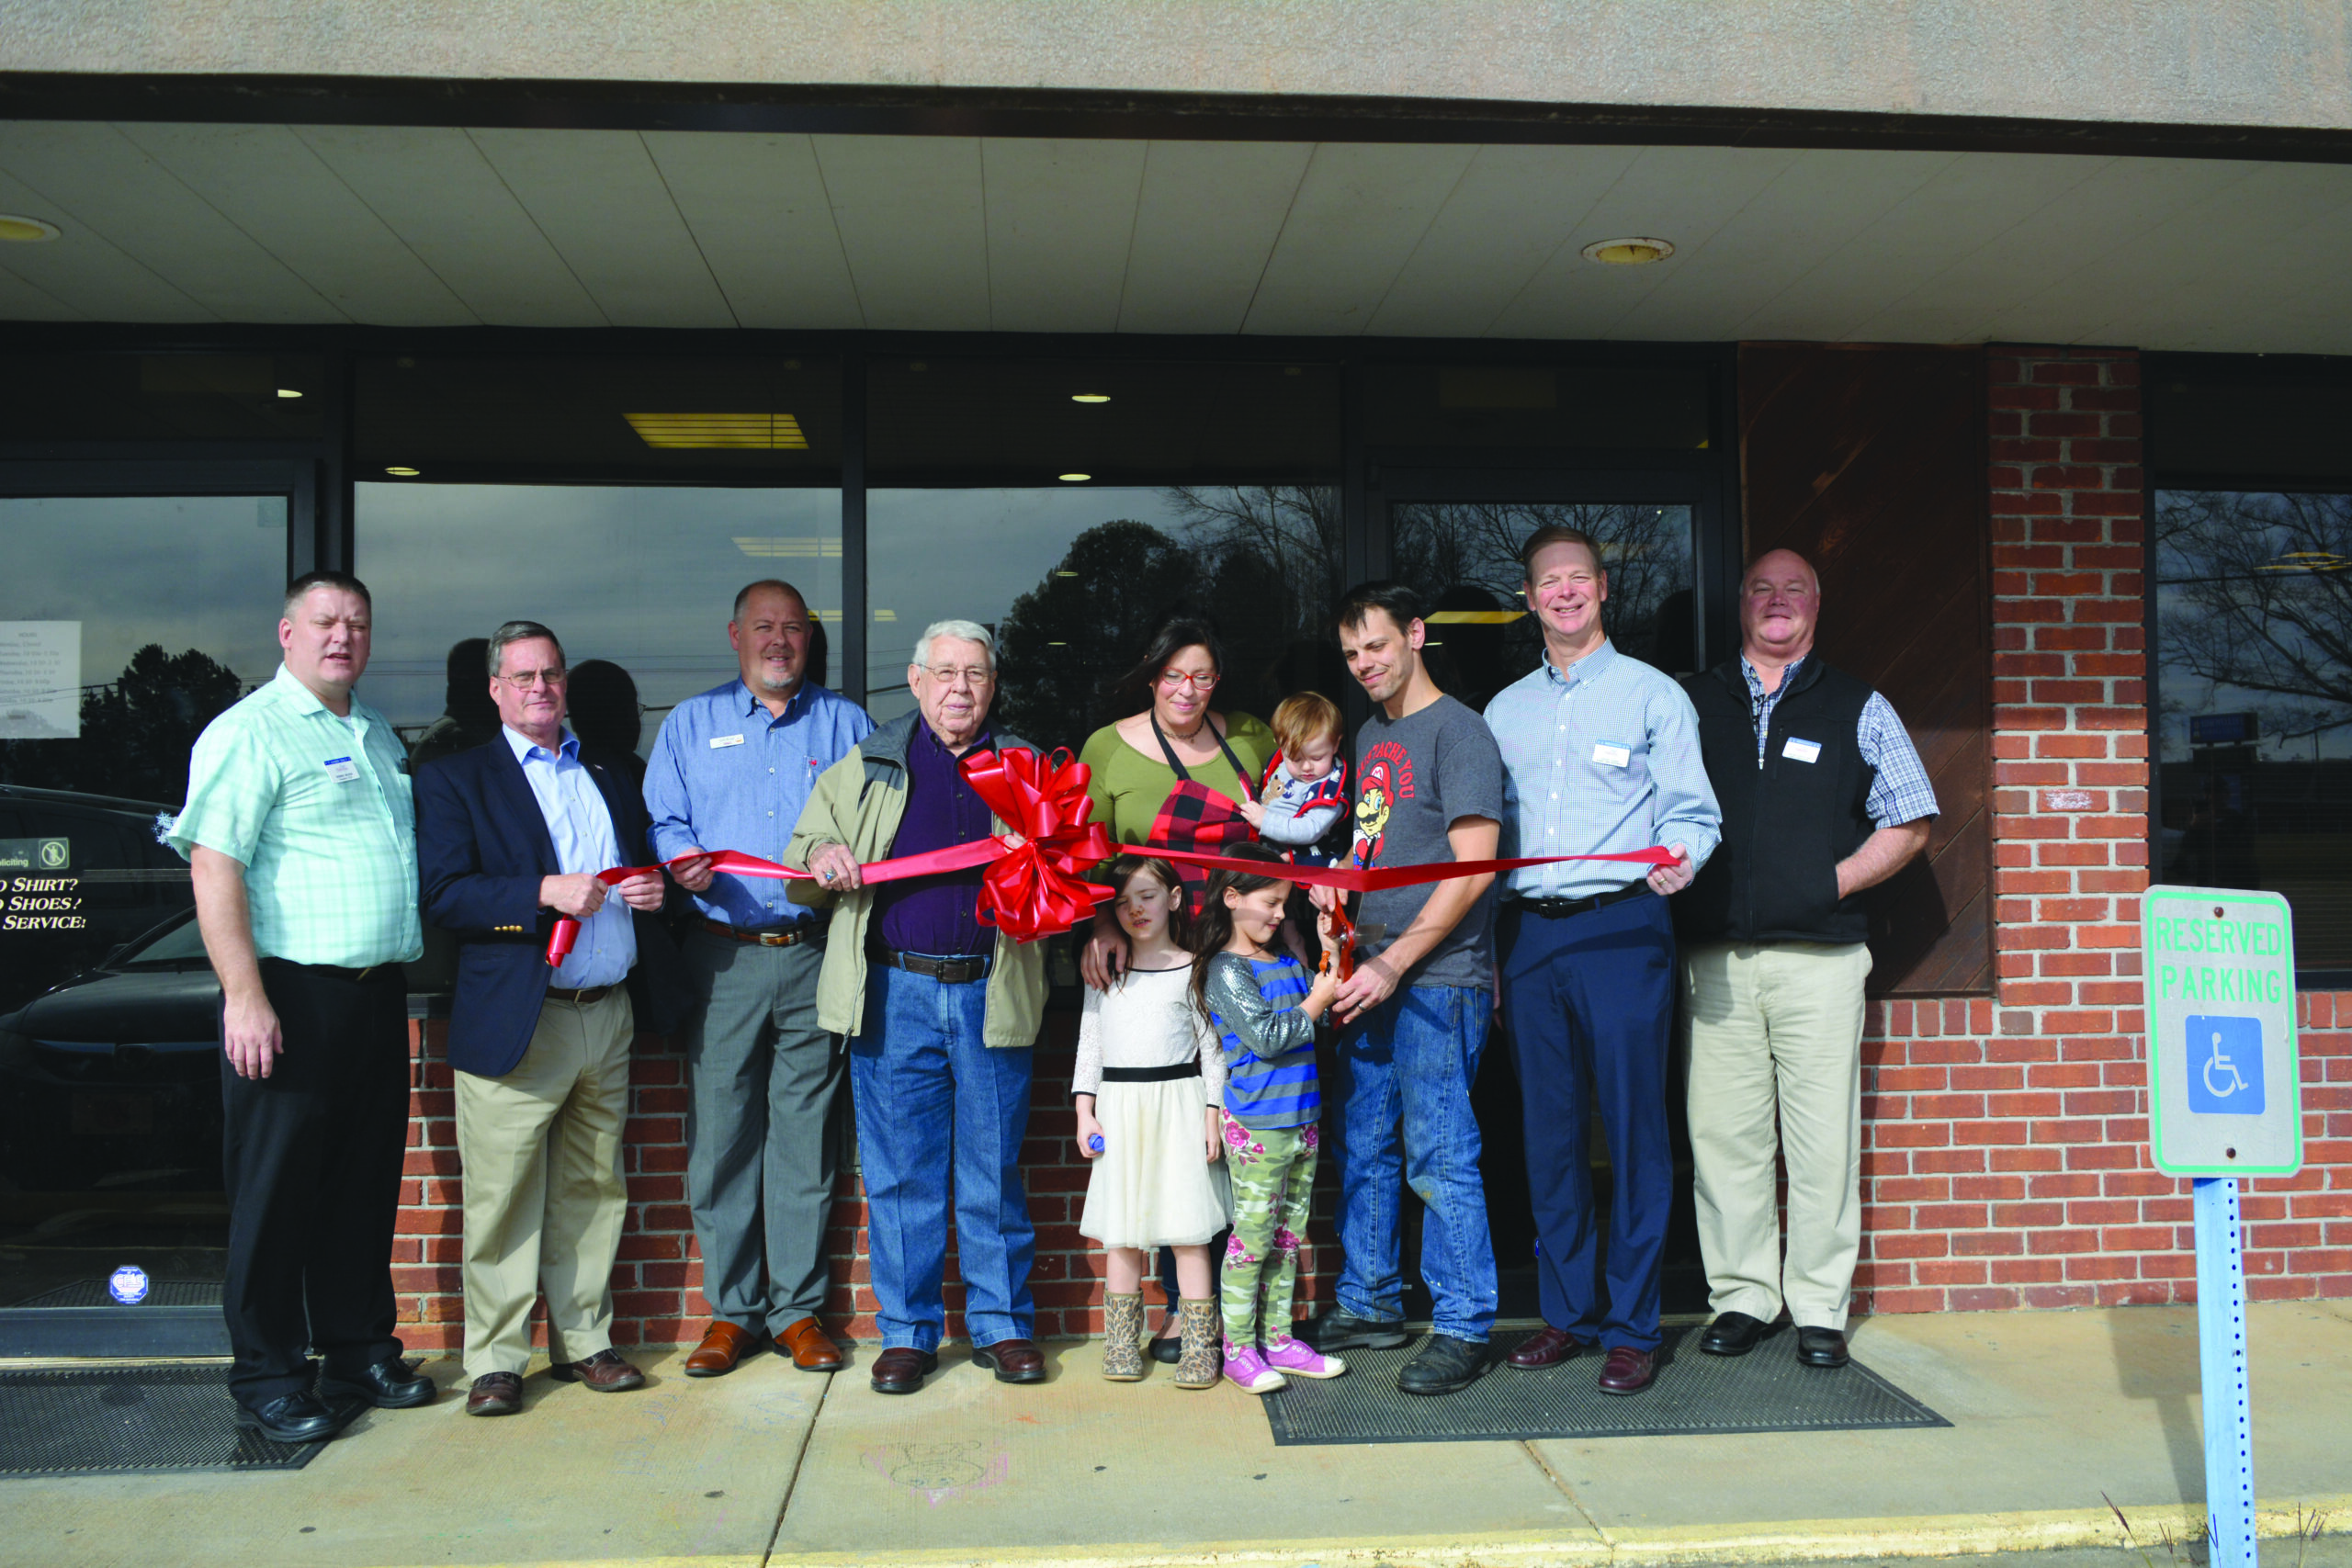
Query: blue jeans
(1589, 999)
(1412, 1059)
(929, 1096)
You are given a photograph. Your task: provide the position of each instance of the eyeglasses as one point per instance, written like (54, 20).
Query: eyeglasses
(524, 679)
(947, 675)
(1176, 680)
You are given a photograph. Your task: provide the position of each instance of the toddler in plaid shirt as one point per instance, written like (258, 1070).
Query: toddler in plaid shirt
(1304, 792)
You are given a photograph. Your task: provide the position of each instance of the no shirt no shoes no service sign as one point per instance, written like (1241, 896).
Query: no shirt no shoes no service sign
(2224, 1094)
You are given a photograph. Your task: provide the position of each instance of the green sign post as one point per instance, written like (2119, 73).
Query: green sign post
(2224, 1100)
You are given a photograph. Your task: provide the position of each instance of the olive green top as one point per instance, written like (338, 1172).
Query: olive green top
(1128, 787)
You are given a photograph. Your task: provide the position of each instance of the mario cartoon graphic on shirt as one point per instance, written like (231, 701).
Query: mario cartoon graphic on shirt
(1373, 801)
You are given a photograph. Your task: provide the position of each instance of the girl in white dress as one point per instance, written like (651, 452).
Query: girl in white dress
(1150, 1082)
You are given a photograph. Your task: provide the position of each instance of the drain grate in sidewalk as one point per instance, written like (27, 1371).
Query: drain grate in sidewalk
(130, 1420)
(1764, 1391)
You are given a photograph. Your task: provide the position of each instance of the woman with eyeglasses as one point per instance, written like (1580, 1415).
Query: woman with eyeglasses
(1172, 775)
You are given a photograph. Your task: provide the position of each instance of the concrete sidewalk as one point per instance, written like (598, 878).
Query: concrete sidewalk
(2051, 1412)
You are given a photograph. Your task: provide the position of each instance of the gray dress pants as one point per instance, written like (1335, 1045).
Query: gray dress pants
(763, 1135)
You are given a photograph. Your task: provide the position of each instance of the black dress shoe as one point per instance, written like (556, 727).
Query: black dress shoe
(1168, 1351)
(902, 1368)
(1445, 1365)
(290, 1419)
(1337, 1330)
(391, 1384)
(1821, 1348)
(1733, 1334)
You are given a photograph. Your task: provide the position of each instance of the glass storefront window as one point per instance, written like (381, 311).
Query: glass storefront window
(165, 397)
(2254, 659)
(1464, 556)
(643, 577)
(1074, 579)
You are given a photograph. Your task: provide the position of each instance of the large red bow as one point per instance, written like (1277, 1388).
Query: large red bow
(1036, 888)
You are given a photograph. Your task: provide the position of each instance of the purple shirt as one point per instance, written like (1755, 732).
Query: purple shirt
(937, 915)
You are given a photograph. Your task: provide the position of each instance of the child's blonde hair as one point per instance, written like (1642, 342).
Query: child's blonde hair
(1304, 720)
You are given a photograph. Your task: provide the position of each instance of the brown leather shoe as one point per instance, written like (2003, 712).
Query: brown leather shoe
(1627, 1370)
(1015, 1361)
(806, 1342)
(495, 1393)
(720, 1348)
(603, 1373)
(902, 1368)
(1546, 1348)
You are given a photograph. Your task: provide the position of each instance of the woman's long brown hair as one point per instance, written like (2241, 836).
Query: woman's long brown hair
(1213, 926)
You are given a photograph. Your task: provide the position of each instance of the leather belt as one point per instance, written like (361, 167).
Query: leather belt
(585, 996)
(946, 971)
(1561, 909)
(1191, 1069)
(791, 938)
(355, 976)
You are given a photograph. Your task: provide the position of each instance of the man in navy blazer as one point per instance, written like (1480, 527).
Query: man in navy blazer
(511, 835)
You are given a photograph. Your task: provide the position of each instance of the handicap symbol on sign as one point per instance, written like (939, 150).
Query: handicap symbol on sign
(2225, 1066)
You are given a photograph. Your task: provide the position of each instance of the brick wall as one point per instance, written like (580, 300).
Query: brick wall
(2005, 1138)
(2005, 1156)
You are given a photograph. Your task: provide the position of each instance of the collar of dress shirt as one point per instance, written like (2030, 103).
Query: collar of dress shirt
(751, 703)
(523, 746)
(1589, 668)
(1756, 683)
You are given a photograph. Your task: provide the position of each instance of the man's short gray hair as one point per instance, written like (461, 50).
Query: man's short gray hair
(962, 631)
(518, 631)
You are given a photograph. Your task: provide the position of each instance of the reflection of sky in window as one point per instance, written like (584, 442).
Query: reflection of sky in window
(198, 571)
(935, 555)
(645, 577)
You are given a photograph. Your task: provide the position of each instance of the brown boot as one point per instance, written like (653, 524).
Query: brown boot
(1121, 1335)
(1204, 1358)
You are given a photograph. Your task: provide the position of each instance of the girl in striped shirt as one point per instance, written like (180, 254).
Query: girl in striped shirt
(1264, 1008)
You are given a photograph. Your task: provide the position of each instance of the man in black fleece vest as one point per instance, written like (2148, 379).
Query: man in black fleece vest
(1823, 796)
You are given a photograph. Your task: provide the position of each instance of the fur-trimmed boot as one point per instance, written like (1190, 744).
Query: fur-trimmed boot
(1122, 1336)
(1203, 1362)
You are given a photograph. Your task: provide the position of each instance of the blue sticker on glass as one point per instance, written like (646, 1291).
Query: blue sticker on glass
(2225, 1066)
(127, 1284)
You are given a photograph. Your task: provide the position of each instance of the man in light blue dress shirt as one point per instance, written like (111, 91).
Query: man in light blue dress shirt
(730, 770)
(1601, 756)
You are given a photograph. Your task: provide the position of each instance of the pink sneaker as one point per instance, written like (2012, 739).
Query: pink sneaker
(1300, 1359)
(1249, 1371)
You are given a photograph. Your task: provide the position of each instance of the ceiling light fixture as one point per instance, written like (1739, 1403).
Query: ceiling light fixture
(758, 432)
(1636, 251)
(1472, 617)
(1089, 397)
(1064, 574)
(1076, 479)
(400, 472)
(17, 229)
(288, 392)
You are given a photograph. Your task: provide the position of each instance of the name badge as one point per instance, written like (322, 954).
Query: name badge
(718, 741)
(1802, 750)
(1611, 756)
(343, 770)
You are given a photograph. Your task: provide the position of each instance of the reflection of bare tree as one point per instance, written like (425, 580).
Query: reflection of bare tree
(1274, 558)
(1065, 641)
(2256, 593)
(1458, 549)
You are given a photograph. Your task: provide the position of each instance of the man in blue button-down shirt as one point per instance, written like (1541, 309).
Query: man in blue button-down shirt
(1601, 756)
(730, 770)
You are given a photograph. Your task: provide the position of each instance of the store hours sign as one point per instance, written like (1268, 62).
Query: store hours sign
(2218, 968)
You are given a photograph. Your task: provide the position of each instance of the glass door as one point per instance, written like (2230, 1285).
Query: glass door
(1459, 546)
(127, 623)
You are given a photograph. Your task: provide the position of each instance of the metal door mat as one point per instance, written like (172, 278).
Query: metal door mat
(1764, 1391)
(130, 1420)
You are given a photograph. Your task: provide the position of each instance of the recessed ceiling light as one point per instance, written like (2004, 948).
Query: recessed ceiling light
(1076, 479)
(1089, 397)
(1064, 574)
(1636, 251)
(1058, 645)
(400, 472)
(22, 231)
(288, 392)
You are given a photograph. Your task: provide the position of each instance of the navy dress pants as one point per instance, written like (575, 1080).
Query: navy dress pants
(1589, 1000)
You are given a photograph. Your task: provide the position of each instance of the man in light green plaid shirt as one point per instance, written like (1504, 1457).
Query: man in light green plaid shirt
(301, 837)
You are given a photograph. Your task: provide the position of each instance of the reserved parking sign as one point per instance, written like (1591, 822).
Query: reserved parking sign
(2223, 1097)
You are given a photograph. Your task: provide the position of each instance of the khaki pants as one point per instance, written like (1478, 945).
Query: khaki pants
(1777, 1026)
(545, 1199)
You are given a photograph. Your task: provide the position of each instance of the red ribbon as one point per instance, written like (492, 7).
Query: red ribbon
(1032, 888)
(1378, 878)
